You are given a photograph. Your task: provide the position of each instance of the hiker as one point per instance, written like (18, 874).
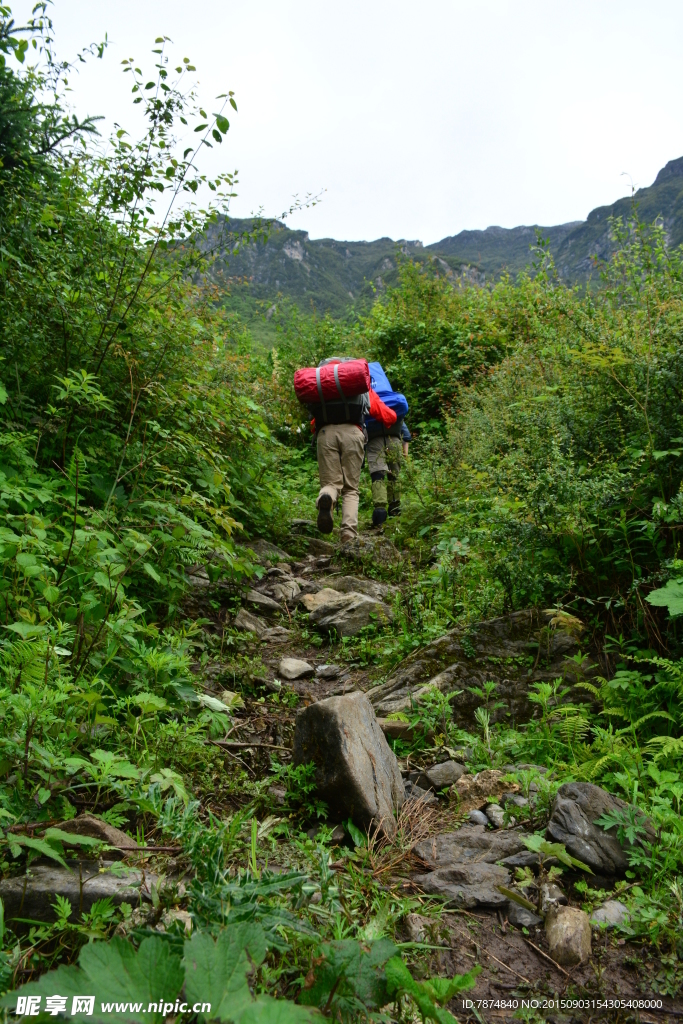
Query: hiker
(385, 448)
(339, 402)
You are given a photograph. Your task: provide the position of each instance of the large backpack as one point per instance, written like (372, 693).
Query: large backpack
(394, 399)
(336, 391)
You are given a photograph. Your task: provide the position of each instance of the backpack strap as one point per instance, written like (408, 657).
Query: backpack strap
(320, 392)
(339, 389)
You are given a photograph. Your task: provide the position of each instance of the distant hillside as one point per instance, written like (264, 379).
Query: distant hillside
(574, 245)
(343, 278)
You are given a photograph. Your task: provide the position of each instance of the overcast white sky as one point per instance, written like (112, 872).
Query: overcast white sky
(418, 119)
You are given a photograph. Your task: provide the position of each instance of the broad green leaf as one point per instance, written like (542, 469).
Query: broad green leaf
(3, 394)
(216, 971)
(70, 839)
(151, 571)
(115, 972)
(669, 596)
(517, 898)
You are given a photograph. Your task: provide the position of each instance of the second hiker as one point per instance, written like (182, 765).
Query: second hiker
(385, 448)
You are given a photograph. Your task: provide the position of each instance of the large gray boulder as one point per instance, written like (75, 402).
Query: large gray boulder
(357, 773)
(344, 614)
(576, 808)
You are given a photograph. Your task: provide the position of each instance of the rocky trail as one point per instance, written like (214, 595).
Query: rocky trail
(448, 841)
(459, 834)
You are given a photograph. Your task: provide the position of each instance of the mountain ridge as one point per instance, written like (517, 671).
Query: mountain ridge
(344, 277)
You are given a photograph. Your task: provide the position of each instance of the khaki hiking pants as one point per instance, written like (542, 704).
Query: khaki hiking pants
(341, 447)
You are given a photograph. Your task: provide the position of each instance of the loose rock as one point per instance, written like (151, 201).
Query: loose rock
(467, 885)
(357, 773)
(445, 774)
(344, 614)
(362, 585)
(611, 914)
(469, 844)
(476, 790)
(568, 932)
(551, 897)
(521, 917)
(496, 815)
(415, 792)
(327, 671)
(577, 806)
(294, 668)
(263, 604)
(478, 818)
(89, 825)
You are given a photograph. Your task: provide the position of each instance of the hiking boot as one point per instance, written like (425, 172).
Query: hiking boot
(394, 508)
(325, 521)
(379, 516)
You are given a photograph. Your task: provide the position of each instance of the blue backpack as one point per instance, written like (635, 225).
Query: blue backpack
(379, 382)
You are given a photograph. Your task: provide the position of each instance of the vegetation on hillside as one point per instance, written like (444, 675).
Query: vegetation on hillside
(143, 438)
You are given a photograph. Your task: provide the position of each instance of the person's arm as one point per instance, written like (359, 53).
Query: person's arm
(405, 437)
(381, 412)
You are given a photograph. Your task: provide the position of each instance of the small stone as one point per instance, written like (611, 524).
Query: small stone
(513, 798)
(294, 668)
(568, 932)
(551, 897)
(444, 774)
(496, 815)
(521, 917)
(414, 792)
(611, 914)
(478, 818)
(416, 927)
(327, 671)
(171, 916)
(278, 794)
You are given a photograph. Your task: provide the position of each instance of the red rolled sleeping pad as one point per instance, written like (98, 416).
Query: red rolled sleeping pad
(336, 381)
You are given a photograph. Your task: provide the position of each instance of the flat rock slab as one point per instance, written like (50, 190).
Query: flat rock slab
(576, 807)
(467, 885)
(248, 623)
(282, 591)
(476, 791)
(514, 651)
(33, 894)
(471, 844)
(95, 828)
(362, 585)
(357, 773)
(262, 603)
(344, 613)
(294, 668)
(371, 549)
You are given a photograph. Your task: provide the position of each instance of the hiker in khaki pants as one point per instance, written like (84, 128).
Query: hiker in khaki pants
(341, 448)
